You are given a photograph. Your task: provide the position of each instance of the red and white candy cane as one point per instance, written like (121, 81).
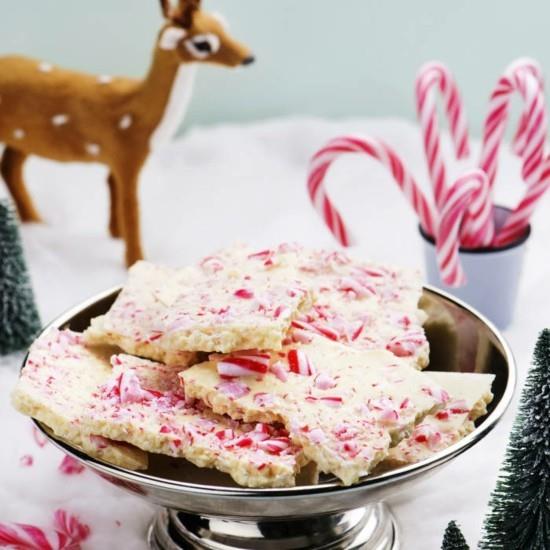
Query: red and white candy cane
(430, 76)
(457, 200)
(478, 224)
(321, 162)
(516, 223)
(519, 141)
(521, 80)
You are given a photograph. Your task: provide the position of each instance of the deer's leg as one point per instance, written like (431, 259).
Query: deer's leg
(11, 168)
(127, 179)
(114, 216)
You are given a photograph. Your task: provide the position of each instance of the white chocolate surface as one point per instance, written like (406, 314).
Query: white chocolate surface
(346, 410)
(75, 391)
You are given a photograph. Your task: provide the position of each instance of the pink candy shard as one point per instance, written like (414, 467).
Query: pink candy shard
(299, 362)
(39, 438)
(26, 461)
(70, 466)
(244, 364)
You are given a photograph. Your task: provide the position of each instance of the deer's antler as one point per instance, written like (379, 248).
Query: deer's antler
(183, 13)
(186, 10)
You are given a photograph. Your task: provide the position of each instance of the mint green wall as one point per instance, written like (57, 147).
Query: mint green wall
(318, 57)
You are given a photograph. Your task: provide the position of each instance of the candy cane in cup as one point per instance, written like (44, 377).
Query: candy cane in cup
(434, 75)
(520, 77)
(518, 220)
(478, 226)
(519, 141)
(457, 200)
(521, 80)
(323, 159)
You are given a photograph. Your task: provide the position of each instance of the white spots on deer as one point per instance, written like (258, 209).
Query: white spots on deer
(171, 37)
(18, 133)
(125, 122)
(104, 79)
(60, 119)
(93, 149)
(45, 67)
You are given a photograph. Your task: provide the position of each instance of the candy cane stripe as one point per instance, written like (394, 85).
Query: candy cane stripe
(518, 220)
(429, 77)
(456, 204)
(321, 162)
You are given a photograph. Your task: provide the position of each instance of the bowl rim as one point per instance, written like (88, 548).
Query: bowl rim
(369, 481)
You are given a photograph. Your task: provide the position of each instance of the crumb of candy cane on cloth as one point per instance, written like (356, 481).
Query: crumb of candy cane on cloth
(65, 391)
(26, 461)
(39, 438)
(359, 304)
(78, 392)
(229, 302)
(67, 532)
(470, 393)
(345, 428)
(70, 466)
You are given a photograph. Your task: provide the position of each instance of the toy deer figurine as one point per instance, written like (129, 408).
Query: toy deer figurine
(68, 116)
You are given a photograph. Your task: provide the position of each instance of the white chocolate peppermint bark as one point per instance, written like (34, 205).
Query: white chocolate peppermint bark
(229, 302)
(359, 304)
(142, 403)
(98, 334)
(117, 453)
(76, 392)
(345, 407)
(48, 395)
(470, 393)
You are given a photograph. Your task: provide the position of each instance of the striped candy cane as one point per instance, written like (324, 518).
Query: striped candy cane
(517, 222)
(457, 200)
(478, 225)
(430, 76)
(519, 141)
(523, 81)
(520, 77)
(321, 162)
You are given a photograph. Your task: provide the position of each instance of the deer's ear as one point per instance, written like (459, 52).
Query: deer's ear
(166, 8)
(171, 37)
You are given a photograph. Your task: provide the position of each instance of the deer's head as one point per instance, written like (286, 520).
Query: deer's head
(195, 35)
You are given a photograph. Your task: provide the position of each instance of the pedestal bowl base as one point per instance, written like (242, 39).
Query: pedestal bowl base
(370, 528)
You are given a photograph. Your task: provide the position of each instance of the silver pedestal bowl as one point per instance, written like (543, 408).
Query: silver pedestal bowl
(203, 508)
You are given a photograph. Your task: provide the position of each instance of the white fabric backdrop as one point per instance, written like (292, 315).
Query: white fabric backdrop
(210, 189)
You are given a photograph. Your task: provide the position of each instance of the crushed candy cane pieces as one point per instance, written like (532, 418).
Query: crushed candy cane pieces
(299, 362)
